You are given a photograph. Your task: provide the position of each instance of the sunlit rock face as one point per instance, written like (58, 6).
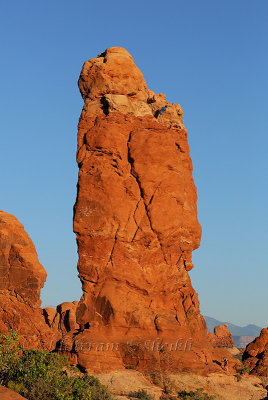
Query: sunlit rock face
(20, 270)
(21, 279)
(256, 354)
(135, 215)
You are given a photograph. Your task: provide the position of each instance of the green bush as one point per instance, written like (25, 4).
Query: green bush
(140, 394)
(199, 394)
(9, 351)
(238, 377)
(40, 375)
(244, 369)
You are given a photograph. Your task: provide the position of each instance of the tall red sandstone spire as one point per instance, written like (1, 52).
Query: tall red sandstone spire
(135, 215)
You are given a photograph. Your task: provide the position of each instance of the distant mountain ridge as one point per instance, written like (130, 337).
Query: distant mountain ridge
(249, 330)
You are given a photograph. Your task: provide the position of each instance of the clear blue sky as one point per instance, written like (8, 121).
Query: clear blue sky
(209, 56)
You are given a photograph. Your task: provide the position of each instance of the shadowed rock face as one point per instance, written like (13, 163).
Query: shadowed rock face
(135, 216)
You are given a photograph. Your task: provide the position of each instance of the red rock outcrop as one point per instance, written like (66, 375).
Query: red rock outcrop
(20, 271)
(135, 216)
(221, 337)
(21, 279)
(62, 319)
(256, 354)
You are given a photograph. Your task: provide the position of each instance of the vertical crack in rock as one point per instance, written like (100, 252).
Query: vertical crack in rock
(155, 324)
(152, 197)
(111, 254)
(134, 217)
(136, 177)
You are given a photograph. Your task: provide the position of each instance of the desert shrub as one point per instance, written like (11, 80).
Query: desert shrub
(9, 351)
(238, 377)
(167, 396)
(156, 378)
(140, 394)
(167, 386)
(244, 369)
(40, 375)
(198, 394)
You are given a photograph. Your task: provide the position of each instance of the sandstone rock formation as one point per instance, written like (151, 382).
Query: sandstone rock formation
(21, 279)
(21, 273)
(221, 337)
(135, 216)
(62, 319)
(256, 354)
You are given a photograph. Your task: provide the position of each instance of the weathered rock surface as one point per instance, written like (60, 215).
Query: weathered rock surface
(62, 319)
(20, 271)
(122, 382)
(222, 386)
(221, 337)
(256, 354)
(21, 279)
(135, 217)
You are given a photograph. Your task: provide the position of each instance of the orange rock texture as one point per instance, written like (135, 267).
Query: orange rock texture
(221, 337)
(21, 279)
(20, 271)
(256, 354)
(135, 215)
(7, 394)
